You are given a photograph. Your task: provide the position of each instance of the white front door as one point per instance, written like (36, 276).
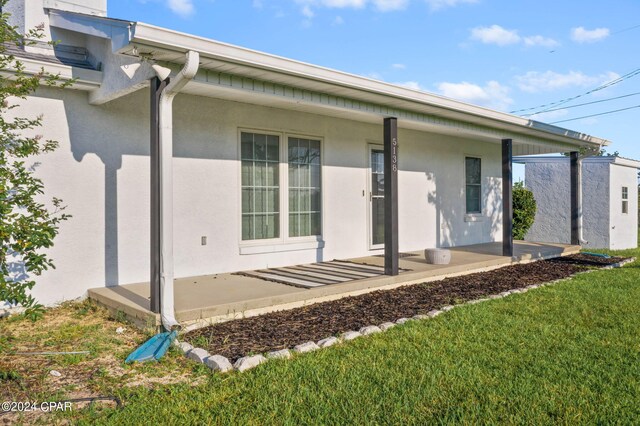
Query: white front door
(376, 196)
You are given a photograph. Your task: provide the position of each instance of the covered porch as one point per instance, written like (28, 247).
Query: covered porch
(208, 299)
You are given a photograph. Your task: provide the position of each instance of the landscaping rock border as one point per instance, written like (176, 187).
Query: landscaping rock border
(223, 365)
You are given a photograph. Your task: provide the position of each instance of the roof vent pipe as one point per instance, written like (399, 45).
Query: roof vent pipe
(187, 73)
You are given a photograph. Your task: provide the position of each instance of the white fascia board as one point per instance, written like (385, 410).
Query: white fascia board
(162, 38)
(620, 161)
(85, 79)
(626, 162)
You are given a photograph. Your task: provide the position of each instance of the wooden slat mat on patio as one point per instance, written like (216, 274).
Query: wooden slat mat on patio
(318, 274)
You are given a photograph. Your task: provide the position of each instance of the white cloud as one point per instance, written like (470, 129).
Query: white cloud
(341, 4)
(398, 66)
(183, 8)
(534, 81)
(495, 34)
(389, 5)
(441, 4)
(491, 95)
(338, 20)
(380, 5)
(307, 12)
(410, 85)
(258, 4)
(582, 35)
(538, 40)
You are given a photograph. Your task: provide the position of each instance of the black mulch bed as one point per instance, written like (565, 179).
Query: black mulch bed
(285, 329)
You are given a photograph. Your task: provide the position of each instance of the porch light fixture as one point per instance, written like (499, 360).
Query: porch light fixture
(131, 69)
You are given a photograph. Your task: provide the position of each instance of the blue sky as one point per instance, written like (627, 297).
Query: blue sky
(507, 55)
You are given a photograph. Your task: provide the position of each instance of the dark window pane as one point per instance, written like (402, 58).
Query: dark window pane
(247, 201)
(260, 146)
(315, 177)
(473, 198)
(314, 150)
(377, 220)
(246, 145)
(247, 173)
(273, 148)
(293, 225)
(316, 224)
(472, 170)
(293, 150)
(315, 200)
(247, 227)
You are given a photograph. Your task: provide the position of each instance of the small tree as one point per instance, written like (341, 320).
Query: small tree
(524, 210)
(26, 225)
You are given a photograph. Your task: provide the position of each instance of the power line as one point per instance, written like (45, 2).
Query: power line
(583, 104)
(564, 101)
(626, 29)
(596, 115)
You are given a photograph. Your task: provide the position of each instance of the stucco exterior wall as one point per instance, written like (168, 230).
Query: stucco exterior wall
(101, 171)
(550, 185)
(595, 199)
(604, 224)
(624, 226)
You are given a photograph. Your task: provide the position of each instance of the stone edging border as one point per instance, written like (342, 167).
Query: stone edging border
(222, 364)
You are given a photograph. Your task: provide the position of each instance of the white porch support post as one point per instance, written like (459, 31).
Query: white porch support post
(165, 187)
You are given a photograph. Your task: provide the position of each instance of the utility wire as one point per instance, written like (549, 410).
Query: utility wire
(564, 101)
(626, 29)
(583, 104)
(596, 115)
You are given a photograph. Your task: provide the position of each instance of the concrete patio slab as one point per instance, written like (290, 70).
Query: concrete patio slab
(208, 299)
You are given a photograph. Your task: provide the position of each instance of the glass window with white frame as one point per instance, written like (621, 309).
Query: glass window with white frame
(260, 157)
(304, 187)
(625, 200)
(473, 185)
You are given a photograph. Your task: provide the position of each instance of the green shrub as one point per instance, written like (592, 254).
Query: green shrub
(524, 210)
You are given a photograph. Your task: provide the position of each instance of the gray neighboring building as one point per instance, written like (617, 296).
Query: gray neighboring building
(609, 200)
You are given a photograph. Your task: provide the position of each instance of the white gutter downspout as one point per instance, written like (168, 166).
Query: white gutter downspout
(167, 311)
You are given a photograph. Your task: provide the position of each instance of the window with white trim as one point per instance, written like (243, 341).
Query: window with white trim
(262, 163)
(260, 157)
(625, 200)
(304, 187)
(473, 185)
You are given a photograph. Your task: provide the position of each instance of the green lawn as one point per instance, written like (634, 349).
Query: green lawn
(567, 353)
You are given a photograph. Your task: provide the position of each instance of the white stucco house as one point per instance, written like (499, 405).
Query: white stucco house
(609, 200)
(260, 161)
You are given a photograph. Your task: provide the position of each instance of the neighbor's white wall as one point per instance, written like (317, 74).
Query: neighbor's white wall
(550, 185)
(624, 227)
(604, 225)
(595, 199)
(101, 171)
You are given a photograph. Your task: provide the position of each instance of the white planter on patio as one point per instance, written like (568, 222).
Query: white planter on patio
(437, 256)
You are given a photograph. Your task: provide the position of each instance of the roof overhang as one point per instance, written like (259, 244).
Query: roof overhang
(245, 75)
(606, 159)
